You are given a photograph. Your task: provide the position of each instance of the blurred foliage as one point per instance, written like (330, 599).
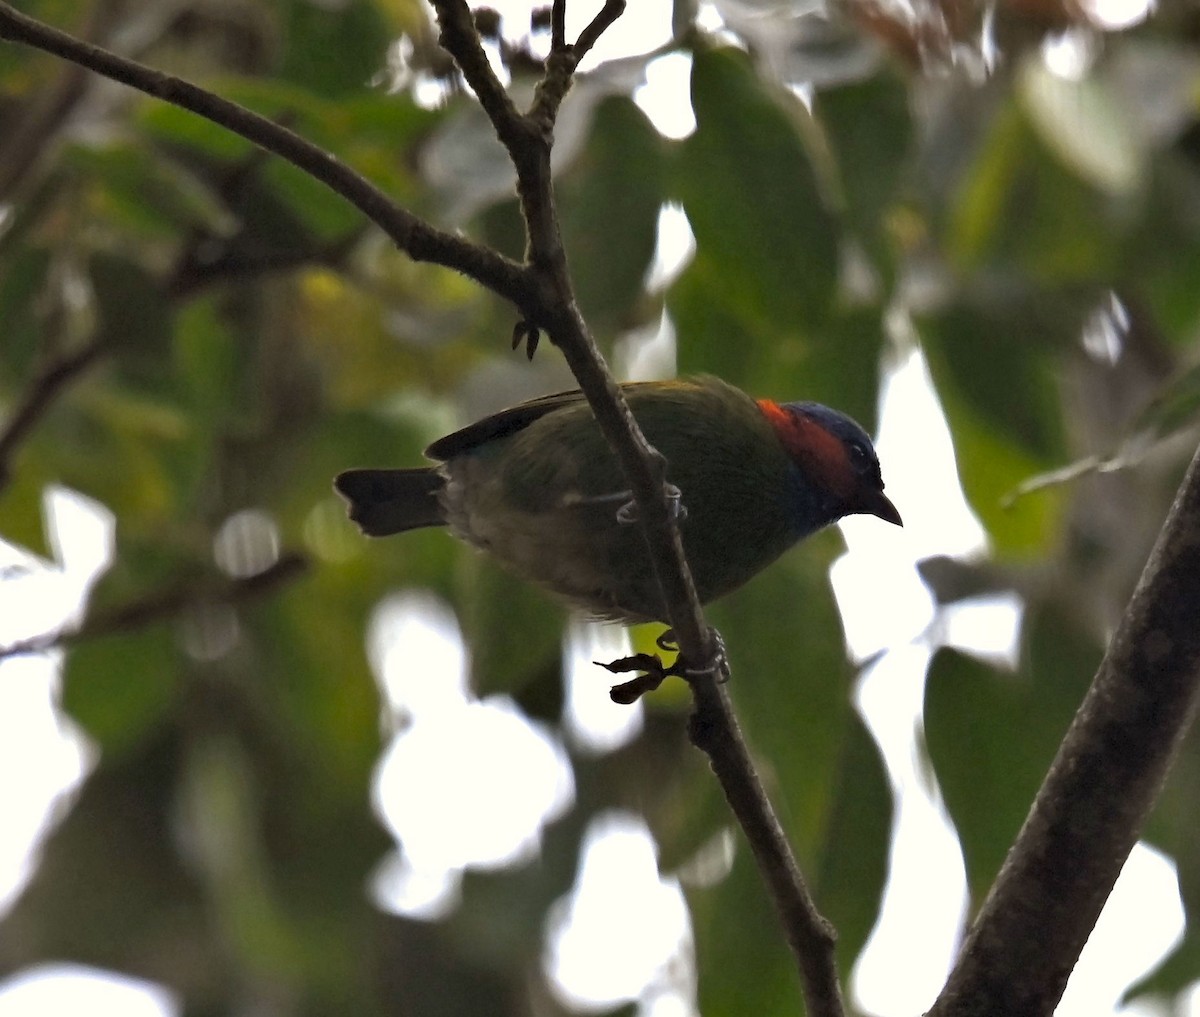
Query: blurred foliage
(858, 185)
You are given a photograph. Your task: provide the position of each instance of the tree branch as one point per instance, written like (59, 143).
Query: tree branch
(165, 604)
(543, 292)
(714, 725)
(588, 38)
(715, 730)
(1099, 790)
(39, 397)
(417, 238)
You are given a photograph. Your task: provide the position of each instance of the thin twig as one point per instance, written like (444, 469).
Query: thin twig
(714, 725)
(162, 605)
(39, 397)
(1095, 799)
(417, 238)
(458, 35)
(715, 730)
(558, 24)
(543, 291)
(25, 143)
(588, 38)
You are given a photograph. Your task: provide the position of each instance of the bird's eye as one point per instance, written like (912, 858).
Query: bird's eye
(859, 455)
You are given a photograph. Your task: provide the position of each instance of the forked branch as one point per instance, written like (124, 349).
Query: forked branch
(542, 291)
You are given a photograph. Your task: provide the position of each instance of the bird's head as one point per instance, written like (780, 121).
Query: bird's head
(834, 456)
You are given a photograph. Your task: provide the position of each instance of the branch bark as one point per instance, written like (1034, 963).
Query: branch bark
(39, 397)
(714, 725)
(1100, 788)
(542, 291)
(417, 238)
(164, 605)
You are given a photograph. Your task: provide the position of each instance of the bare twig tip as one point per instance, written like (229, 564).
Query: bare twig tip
(588, 38)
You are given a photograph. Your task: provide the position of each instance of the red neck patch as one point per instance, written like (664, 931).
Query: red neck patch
(821, 455)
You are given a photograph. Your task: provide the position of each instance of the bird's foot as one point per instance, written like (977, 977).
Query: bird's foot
(655, 672)
(627, 514)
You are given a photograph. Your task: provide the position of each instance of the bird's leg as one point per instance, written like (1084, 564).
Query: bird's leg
(655, 672)
(718, 665)
(627, 514)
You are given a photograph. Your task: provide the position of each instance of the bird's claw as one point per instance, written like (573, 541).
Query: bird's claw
(627, 514)
(525, 331)
(655, 672)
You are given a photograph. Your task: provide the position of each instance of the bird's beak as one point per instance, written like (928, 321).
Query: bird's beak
(876, 503)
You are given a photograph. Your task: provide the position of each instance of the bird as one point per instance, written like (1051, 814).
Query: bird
(537, 487)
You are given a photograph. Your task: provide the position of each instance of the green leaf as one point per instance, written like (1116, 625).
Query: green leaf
(853, 870)
(748, 186)
(23, 279)
(997, 385)
(22, 508)
(1161, 259)
(334, 50)
(1082, 122)
(818, 764)
(1018, 206)
(213, 364)
(134, 319)
(841, 367)
(610, 201)
(514, 630)
(312, 203)
(120, 688)
(743, 967)
(319, 682)
(870, 129)
(140, 190)
(998, 360)
(838, 364)
(991, 735)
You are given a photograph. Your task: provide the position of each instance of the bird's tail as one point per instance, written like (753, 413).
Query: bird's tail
(391, 501)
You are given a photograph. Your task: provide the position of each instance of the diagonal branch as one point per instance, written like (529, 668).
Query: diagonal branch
(1100, 789)
(714, 726)
(165, 604)
(715, 730)
(588, 38)
(417, 238)
(38, 399)
(543, 292)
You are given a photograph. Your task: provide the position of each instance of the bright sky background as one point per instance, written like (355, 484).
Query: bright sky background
(884, 605)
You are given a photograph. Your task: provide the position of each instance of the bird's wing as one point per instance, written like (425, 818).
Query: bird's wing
(509, 421)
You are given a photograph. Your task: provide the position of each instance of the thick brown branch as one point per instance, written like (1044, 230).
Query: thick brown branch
(417, 238)
(1100, 788)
